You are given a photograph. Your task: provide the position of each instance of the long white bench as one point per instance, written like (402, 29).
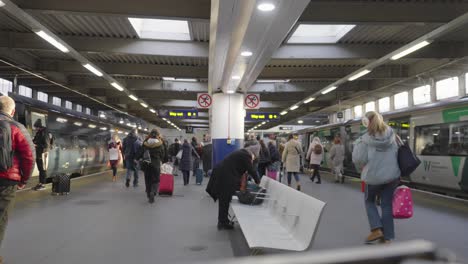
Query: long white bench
(286, 220)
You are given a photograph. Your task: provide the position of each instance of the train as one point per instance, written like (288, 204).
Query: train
(437, 133)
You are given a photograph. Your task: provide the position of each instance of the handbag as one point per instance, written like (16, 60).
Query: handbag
(179, 155)
(146, 160)
(402, 203)
(407, 160)
(251, 198)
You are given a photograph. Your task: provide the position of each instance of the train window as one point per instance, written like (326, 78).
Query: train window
(88, 111)
(25, 91)
(42, 97)
(447, 88)
(79, 108)
(401, 100)
(5, 86)
(68, 105)
(384, 104)
(56, 101)
(458, 139)
(422, 95)
(358, 111)
(370, 106)
(430, 140)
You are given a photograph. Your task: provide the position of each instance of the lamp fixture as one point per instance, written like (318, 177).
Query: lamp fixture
(92, 69)
(300, 121)
(294, 107)
(410, 50)
(134, 98)
(359, 75)
(152, 111)
(117, 86)
(309, 100)
(284, 112)
(48, 38)
(246, 53)
(329, 90)
(266, 7)
(144, 105)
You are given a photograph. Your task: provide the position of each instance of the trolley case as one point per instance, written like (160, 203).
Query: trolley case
(166, 184)
(199, 176)
(61, 184)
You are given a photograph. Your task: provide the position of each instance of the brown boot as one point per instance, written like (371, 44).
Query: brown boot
(375, 235)
(298, 187)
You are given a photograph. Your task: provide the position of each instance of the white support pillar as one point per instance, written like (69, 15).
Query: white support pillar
(433, 90)
(462, 85)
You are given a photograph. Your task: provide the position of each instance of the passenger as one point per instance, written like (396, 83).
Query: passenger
(315, 157)
(41, 141)
(375, 153)
(207, 154)
(128, 148)
(292, 160)
(264, 159)
(274, 156)
(186, 162)
(337, 155)
(281, 150)
(225, 181)
(173, 150)
(115, 149)
(254, 146)
(154, 151)
(196, 158)
(18, 169)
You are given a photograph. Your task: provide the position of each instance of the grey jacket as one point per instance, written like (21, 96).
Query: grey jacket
(337, 154)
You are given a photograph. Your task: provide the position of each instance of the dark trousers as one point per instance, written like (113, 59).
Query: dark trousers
(152, 179)
(262, 169)
(223, 209)
(7, 198)
(186, 174)
(40, 167)
(316, 168)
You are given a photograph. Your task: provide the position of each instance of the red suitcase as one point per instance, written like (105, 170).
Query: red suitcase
(166, 184)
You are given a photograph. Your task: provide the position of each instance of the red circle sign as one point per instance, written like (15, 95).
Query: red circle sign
(252, 101)
(204, 100)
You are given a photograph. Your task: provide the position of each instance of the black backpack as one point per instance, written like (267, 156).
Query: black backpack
(6, 151)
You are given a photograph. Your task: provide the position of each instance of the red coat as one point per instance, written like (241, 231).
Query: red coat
(24, 157)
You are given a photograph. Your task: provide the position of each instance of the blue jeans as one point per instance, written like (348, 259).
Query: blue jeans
(296, 177)
(130, 165)
(385, 191)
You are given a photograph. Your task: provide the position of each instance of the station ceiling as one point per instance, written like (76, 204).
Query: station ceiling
(100, 33)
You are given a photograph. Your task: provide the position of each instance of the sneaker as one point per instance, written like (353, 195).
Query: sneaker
(127, 183)
(227, 226)
(375, 235)
(38, 187)
(151, 199)
(318, 182)
(298, 187)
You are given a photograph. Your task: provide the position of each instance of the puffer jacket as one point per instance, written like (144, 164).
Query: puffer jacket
(157, 151)
(377, 157)
(24, 152)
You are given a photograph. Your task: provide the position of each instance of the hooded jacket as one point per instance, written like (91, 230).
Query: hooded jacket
(377, 157)
(128, 146)
(186, 162)
(157, 151)
(315, 158)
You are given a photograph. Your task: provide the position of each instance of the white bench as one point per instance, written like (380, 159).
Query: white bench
(286, 220)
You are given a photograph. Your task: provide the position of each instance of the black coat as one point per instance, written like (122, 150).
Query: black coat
(226, 176)
(207, 157)
(274, 153)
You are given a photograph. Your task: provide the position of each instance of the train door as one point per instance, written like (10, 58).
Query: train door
(401, 127)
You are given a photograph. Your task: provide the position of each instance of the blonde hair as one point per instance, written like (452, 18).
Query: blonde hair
(116, 138)
(376, 123)
(7, 104)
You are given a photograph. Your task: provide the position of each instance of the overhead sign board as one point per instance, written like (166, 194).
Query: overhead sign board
(339, 114)
(252, 101)
(189, 129)
(286, 128)
(179, 114)
(204, 100)
(262, 116)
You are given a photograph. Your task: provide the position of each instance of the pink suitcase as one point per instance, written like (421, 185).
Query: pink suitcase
(272, 174)
(402, 203)
(166, 184)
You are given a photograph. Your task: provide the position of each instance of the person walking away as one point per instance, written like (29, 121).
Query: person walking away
(274, 156)
(291, 159)
(337, 155)
(315, 157)
(186, 162)
(264, 159)
(207, 157)
(173, 150)
(281, 150)
(41, 141)
(254, 146)
(152, 155)
(15, 170)
(128, 148)
(115, 149)
(225, 181)
(375, 154)
(195, 158)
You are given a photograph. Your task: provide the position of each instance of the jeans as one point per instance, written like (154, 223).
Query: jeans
(385, 191)
(186, 175)
(152, 180)
(296, 177)
(223, 209)
(130, 165)
(40, 161)
(316, 168)
(7, 198)
(262, 169)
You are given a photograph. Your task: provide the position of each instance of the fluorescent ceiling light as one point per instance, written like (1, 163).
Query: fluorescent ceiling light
(117, 86)
(236, 77)
(61, 120)
(309, 100)
(266, 7)
(273, 81)
(410, 50)
(146, 129)
(306, 33)
(103, 128)
(435, 134)
(92, 69)
(164, 119)
(161, 28)
(129, 124)
(134, 98)
(102, 115)
(231, 92)
(329, 90)
(300, 121)
(140, 127)
(246, 53)
(49, 39)
(112, 130)
(1, 4)
(144, 105)
(284, 112)
(92, 126)
(358, 75)
(263, 122)
(185, 80)
(119, 132)
(294, 107)
(78, 124)
(152, 111)
(121, 121)
(168, 78)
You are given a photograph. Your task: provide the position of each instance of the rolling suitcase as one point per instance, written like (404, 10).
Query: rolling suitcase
(166, 184)
(199, 176)
(61, 184)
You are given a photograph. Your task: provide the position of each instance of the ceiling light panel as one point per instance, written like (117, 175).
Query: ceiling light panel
(358, 75)
(161, 28)
(117, 86)
(309, 100)
(273, 81)
(50, 39)
(329, 90)
(410, 50)
(134, 98)
(306, 33)
(266, 7)
(92, 69)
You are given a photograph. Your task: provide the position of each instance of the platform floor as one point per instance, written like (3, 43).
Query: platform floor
(104, 222)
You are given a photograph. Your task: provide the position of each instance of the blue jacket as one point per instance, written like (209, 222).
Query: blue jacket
(186, 162)
(377, 157)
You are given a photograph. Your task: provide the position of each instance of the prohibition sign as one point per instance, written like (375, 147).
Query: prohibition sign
(204, 100)
(252, 101)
